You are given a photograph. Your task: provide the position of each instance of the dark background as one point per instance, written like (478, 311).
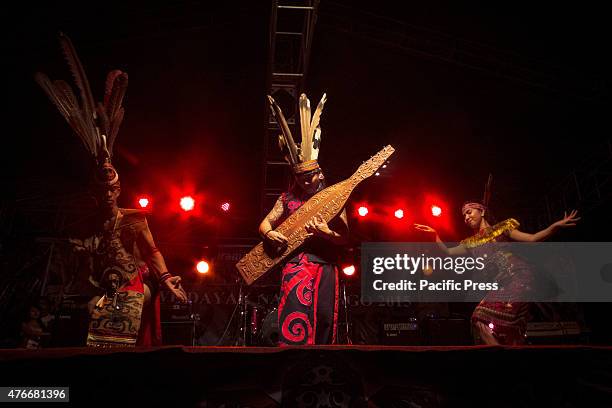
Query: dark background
(525, 96)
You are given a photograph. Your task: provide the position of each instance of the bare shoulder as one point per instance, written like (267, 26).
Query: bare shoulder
(133, 218)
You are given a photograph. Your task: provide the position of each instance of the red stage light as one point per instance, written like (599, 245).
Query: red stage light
(187, 203)
(436, 211)
(362, 211)
(202, 267)
(399, 213)
(349, 270)
(225, 207)
(143, 202)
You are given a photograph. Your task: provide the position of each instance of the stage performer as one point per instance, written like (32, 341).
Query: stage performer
(126, 267)
(495, 322)
(308, 306)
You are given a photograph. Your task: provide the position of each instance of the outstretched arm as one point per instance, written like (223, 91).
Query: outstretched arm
(158, 265)
(458, 250)
(567, 221)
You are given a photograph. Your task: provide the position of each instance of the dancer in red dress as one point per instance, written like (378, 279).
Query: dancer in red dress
(495, 322)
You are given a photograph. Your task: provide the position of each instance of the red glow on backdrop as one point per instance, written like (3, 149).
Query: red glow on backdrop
(202, 267)
(185, 199)
(349, 270)
(436, 211)
(362, 211)
(399, 213)
(435, 205)
(187, 203)
(143, 202)
(225, 207)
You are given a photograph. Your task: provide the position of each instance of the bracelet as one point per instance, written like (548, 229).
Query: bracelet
(164, 277)
(267, 232)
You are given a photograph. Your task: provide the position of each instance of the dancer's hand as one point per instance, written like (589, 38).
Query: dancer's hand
(317, 226)
(425, 228)
(276, 238)
(567, 220)
(173, 284)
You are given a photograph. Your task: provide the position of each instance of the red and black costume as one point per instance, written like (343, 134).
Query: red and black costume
(308, 305)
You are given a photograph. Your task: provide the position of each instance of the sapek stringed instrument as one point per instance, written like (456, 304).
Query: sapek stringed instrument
(326, 204)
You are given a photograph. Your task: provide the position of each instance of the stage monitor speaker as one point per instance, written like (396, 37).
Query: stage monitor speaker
(70, 324)
(568, 332)
(447, 332)
(178, 332)
(401, 332)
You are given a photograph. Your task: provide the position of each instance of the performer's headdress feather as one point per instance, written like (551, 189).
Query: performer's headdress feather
(302, 157)
(96, 125)
(485, 199)
(487, 192)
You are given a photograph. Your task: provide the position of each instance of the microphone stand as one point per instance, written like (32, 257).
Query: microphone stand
(242, 305)
(346, 313)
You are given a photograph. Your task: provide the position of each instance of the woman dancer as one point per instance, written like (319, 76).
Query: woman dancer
(496, 322)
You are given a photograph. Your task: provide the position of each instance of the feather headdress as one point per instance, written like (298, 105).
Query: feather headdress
(303, 156)
(486, 198)
(96, 125)
(487, 192)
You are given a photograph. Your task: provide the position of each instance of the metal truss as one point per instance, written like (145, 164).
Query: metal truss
(587, 187)
(291, 31)
(435, 45)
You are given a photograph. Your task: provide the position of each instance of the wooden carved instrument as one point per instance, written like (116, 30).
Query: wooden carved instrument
(326, 204)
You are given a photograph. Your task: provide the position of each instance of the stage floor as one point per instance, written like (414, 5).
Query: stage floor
(321, 376)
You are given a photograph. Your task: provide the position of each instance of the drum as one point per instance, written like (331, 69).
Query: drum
(253, 322)
(269, 333)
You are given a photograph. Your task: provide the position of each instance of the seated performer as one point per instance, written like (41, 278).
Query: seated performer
(308, 306)
(495, 322)
(126, 267)
(33, 329)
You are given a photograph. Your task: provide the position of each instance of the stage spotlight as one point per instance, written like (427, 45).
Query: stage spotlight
(202, 267)
(225, 207)
(187, 203)
(349, 270)
(399, 213)
(377, 173)
(143, 202)
(436, 211)
(362, 211)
